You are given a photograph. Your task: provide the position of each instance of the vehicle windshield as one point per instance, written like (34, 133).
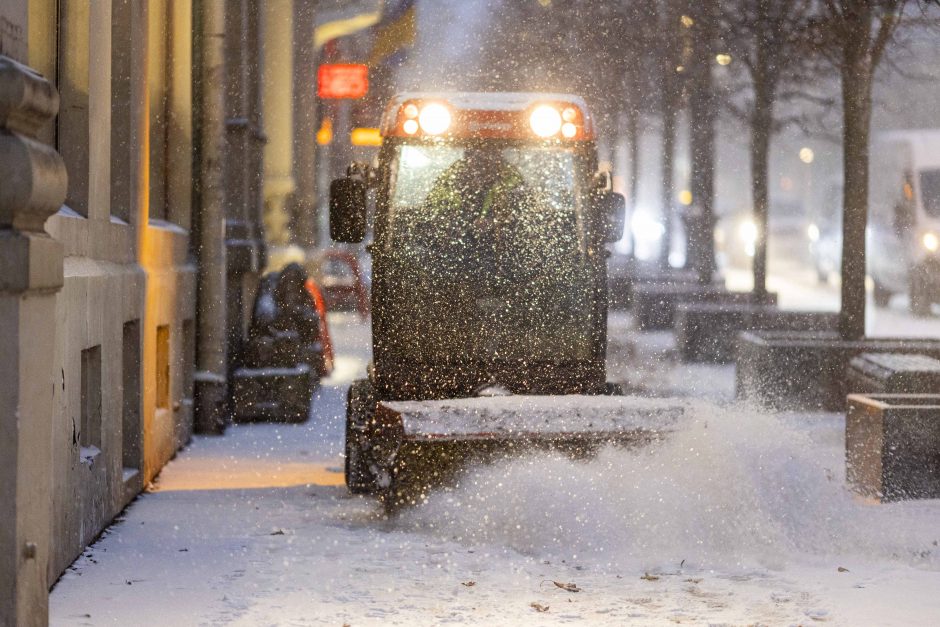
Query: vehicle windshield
(466, 199)
(497, 233)
(930, 192)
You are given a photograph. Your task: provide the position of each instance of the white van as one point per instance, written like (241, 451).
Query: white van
(904, 217)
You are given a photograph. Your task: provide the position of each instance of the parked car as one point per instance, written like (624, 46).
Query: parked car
(824, 231)
(735, 239)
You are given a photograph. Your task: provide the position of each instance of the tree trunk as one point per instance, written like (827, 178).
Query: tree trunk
(633, 136)
(761, 122)
(669, 114)
(856, 104)
(701, 220)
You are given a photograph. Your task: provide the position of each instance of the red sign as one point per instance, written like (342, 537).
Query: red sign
(342, 80)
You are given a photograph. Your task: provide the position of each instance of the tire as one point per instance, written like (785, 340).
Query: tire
(920, 302)
(882, 295)
(360, 406)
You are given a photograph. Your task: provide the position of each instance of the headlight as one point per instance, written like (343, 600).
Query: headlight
(434, 119)
(545, 121)
(747, 233)
(646, 228)
(812, 232)
(931, 242)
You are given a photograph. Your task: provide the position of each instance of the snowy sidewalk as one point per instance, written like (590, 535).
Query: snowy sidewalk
(739, 519)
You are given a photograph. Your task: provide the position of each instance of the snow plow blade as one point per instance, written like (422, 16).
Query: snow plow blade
(426, 444)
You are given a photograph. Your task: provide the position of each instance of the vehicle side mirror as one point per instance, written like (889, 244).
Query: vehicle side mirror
(612, 210)
(348, 209)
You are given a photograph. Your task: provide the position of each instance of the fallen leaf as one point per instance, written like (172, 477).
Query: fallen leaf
(570, 587)
(649, 577)
(538, 607)
(279, 532)
(842, 569)
(469, 584)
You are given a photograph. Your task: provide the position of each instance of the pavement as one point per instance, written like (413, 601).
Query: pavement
(741, 518)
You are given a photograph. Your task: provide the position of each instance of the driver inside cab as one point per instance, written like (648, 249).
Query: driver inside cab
(481, 198)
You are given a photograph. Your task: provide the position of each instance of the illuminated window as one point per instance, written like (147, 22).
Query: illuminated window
(163, 367)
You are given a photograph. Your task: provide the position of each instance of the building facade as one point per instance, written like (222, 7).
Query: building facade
(130, 244)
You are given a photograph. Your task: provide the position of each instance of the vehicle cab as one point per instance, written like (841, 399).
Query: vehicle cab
(489, 232)
(904, 217)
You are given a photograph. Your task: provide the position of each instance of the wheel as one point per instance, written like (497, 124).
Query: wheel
(920, 301)
(882, 295)
(360, 406)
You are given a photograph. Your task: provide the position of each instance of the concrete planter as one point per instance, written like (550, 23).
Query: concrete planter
(793, 370)
(890, 373)
(707, 331)
(892, 446)
(654, 304)
(624, 279)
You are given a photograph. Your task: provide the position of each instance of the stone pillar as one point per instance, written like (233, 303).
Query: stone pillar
(279, 119)
(303, 206)
(241, 236)
(211, 356)
(33, 188)
(254, 86)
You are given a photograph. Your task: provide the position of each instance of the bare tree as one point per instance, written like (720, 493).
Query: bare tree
(700, 218)
(855, 35)
(672, 23)
(767, 39)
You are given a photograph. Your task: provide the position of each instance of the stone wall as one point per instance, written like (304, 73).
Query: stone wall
(33, 185)
(99, 104)
(124, 330)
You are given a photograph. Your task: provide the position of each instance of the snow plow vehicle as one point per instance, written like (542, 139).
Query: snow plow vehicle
(489, 279)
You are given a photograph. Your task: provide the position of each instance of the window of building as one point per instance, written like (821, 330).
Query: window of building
(121, 149)
(89, 435)
(170, 87)
(72, 82)
(163, 367)
(158, 42)
(130, 414)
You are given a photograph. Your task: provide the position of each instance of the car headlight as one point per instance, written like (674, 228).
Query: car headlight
(645, 227)
(747, 231)
(812, 232)
(747, 235)
(930, 241)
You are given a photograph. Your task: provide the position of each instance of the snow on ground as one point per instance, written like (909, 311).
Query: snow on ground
(738, 518)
